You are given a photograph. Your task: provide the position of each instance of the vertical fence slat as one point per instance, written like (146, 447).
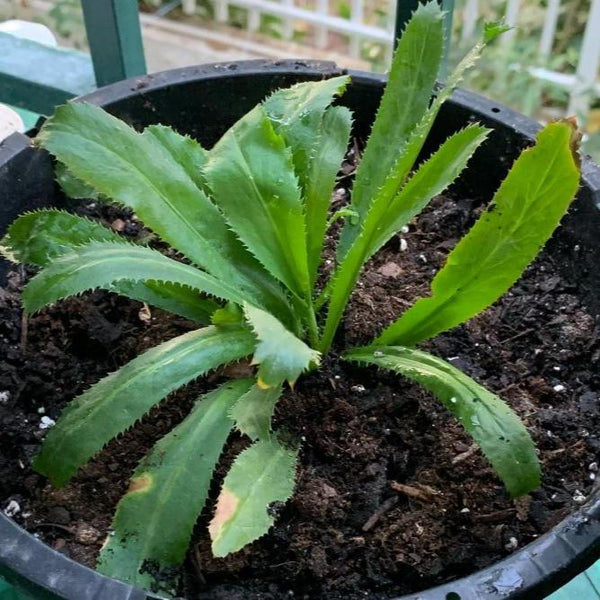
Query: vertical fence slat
(288, 24)
(589, 62)
(511, 17)
(356, 16)
(188, 6)
(549, 30)
(221, 11)
(470, 17)
(322, 37)
(253, 20)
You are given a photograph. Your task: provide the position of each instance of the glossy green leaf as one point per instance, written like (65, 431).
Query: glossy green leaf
(116, 402)
(280, 354)
(39, 237)
(102, 264)
(431, 178)
(186, 151)
(155, 519)
(251, 175)
(143, 173)
(406, 98)
(490, 422)
(253, 412)
(261, 475)
(488, 260)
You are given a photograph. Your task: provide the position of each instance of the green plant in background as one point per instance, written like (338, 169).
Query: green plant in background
(250, 216)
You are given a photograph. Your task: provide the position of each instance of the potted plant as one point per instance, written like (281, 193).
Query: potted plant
(252, 214)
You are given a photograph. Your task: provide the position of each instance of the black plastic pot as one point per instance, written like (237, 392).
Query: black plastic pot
(203, 102)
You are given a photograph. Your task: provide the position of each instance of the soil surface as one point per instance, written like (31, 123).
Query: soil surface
(391, 495)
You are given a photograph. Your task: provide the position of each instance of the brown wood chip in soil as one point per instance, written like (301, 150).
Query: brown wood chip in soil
(390, 497)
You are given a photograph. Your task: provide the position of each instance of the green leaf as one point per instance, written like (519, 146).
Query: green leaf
(261, 475)
(116, 402)
(492, 29)
(329, 153)
(405, 100)
(155, 519)
(253, 412)
(252, 179)
(280, 354)
(406, 158)
(297, 115)
(491, 423)
(488, 260)
(39, 237)
(142, 172)
(186, 151)
(172, 297)
(36, 238)
(71, 186)
(318, 137)
(431, 178)
(102, 264)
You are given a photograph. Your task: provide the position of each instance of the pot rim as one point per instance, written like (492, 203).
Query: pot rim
(530, 572)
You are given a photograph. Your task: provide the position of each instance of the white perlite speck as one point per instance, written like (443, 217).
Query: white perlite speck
(559, 388)
(403, 245)
(512, 544)
(4, 396)
(579, 497)
(12, 508)
(46, 423)
(358, 388)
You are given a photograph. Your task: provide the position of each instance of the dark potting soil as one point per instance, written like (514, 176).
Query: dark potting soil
(391, 495)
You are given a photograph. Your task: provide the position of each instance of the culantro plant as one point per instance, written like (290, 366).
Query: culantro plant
(249, 217)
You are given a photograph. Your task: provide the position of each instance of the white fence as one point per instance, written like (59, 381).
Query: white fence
(581, 84)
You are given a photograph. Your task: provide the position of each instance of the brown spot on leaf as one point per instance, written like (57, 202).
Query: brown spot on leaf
(140, 484)
(226, 507)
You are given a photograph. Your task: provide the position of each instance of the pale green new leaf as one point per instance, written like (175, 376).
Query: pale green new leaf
(490, 421)
(280, 354)
(318, 137)
(431, 178)
(297, 114)
(251, 176)
(116, 402)
(488, 260)
(333, 139)
(253, 412)
(39, 237)
(102, 264)
(261, 475)
(405, 100)
(142, 172)
(155, 519)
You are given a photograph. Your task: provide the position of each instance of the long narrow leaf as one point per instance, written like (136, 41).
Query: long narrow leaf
(261, 475)
(251, 175)
(333, 139)
(432, 177)
(39, 237)
(116, 402)
(488, 260)
(102, 264)
(154, 521)
(492, 424)
(141, 172)
(405, 100)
